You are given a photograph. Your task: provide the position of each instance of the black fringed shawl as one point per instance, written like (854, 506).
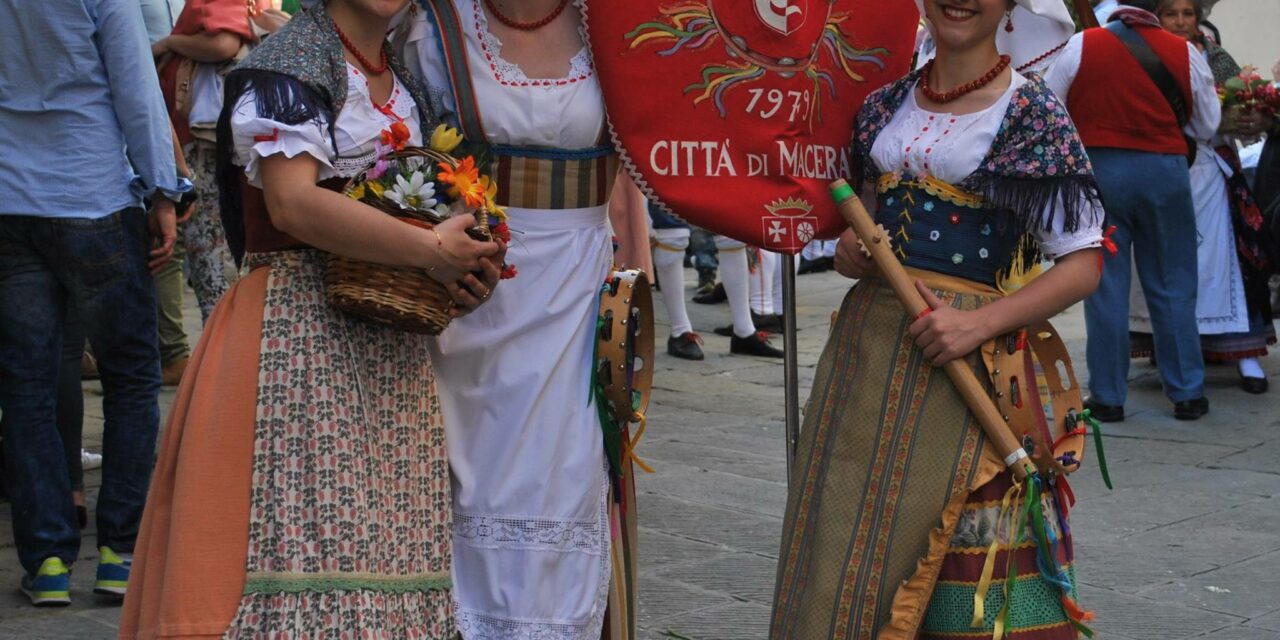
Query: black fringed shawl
(1036, 168)
(298, 74)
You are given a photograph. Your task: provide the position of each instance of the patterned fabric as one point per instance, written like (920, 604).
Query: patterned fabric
(1037, 164)
(1035, 612)
(886, 441)
(527, 177)
(1223, 66)
(210, 268)
(890, 505)
(933, 226)
(558, 180)
(349, 531)
(298, 74)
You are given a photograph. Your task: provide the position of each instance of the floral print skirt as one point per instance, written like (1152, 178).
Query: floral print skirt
(329, 514)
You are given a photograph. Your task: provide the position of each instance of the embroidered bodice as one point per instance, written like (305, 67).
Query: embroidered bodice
(971, 194)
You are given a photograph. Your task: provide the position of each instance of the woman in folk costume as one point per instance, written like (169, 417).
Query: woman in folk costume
(1032, 36)
(302, 488)
(531, 484)
(1233, 301)
(898, 518)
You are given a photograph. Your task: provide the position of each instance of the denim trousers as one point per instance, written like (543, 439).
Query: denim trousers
(1148, 201)
(99, 266)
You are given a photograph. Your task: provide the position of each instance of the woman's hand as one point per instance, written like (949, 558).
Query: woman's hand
(851, 260)
(471, 291)
(945, 333)
(1243, 123)
(160, 47)
(456, 253)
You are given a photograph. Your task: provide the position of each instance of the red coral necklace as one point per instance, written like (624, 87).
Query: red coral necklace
(962, 90)
(525, 26)
(373, 69)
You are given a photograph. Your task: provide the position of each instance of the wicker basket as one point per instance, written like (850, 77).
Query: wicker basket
(404, 298)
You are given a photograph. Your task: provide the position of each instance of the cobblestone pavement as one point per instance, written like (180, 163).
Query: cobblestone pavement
(1187, 546)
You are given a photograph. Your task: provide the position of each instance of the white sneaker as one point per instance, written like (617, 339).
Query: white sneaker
(90, 460)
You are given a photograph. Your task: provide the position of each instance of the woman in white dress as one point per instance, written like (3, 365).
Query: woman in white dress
(530, 477)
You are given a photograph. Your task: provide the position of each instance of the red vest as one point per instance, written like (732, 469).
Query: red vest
(1115, 104)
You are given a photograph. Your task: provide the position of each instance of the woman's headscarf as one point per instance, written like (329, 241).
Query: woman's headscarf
(1040, 29)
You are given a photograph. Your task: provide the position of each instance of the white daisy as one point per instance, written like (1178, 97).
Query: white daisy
(415, 193)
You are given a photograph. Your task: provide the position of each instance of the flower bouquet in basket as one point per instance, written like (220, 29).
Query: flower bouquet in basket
(1251, 92)
(421, 186)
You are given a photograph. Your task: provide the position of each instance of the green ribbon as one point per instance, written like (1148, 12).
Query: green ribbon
(1093, 422)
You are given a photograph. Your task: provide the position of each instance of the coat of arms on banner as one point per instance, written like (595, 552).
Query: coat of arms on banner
(783, 16)
(736, 114)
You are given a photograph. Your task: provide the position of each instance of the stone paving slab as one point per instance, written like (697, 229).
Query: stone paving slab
(1195, 505)
(1249, 588)
(1146, 619)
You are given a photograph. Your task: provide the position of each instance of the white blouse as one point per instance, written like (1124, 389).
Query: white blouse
(563, 113)
(356, 131)
(950, 147)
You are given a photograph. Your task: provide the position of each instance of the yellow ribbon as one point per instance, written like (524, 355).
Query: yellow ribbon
(989, 566)
(629, 446)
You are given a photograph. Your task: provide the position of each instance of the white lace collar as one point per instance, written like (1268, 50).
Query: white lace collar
(509, 73)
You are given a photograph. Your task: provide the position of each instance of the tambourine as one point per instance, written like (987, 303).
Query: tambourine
(624, 363)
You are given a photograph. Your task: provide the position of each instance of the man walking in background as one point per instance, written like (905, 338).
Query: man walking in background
(1135, 91)
(84, 138)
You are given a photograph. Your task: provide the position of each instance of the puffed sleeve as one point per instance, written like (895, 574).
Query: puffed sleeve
(1056, 241)
(256, 137)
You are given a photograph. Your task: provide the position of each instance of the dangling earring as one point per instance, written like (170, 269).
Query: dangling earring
(1008, 25)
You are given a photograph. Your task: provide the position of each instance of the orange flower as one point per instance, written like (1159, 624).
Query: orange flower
(463, 181)
(396, 137)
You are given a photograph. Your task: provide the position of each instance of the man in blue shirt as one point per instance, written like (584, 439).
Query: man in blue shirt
(84, 139)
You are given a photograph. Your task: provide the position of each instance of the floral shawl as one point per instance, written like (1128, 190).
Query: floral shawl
(297, 74)
(1036, 160)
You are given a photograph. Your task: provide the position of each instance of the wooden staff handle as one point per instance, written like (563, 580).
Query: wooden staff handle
(974, 394)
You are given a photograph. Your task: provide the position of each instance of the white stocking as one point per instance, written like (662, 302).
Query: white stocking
(733, 271)
(668, 262)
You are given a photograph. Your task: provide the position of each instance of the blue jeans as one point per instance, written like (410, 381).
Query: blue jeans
(1148, 200)
(100, 266)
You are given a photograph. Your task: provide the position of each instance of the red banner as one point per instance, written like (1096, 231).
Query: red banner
(736, 114)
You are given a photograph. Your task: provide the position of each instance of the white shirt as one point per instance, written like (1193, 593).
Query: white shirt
(1104, 10)
(356, 131)
(1206, 112)
(949, 147)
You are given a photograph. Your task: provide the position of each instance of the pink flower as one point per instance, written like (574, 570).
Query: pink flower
(379, 169)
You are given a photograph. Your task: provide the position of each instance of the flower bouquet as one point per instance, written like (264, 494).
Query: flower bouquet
(1250, 91)
(421, 186)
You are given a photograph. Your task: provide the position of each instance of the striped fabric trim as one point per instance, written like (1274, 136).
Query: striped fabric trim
(271, 582)
(453, 47)
(529, 182)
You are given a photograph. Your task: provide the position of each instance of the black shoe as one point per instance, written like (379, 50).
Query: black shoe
(756, 344)
(1254, 385)
(1105, 412)
(685, 346)
(726, 331)
(715, 296)
(1191, 409)
(769, 324)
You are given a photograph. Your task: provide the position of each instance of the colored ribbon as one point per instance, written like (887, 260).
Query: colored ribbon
(1093, 422)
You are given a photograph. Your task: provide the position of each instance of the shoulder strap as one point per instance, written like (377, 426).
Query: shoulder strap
(1155, 68)
(1159, 74)
(453, 47)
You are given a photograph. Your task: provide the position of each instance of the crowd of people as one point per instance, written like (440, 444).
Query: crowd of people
(320, 475)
